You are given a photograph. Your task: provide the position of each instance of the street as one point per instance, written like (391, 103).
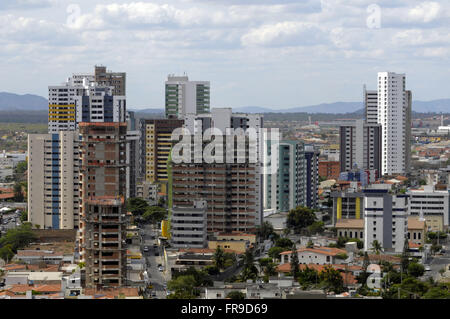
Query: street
(436, 263)
(153, 258)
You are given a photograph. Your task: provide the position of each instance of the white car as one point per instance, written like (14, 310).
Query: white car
(161, 268)
(427, 268)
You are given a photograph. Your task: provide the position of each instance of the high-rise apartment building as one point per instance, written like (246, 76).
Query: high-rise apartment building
(115, 79)
(295, 182)
(155, 146)
(53, 180)
(184, 96)
(394, 116)
(102, 208)
(385, 220)
(360, 145)
(232, 189)
(84, 99)
(371, 106)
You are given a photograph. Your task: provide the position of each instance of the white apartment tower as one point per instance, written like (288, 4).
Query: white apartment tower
(385, 220)
(394, 116)
(53, 180)
(184, 96)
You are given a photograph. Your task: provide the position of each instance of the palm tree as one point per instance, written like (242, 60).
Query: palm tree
(376, 246)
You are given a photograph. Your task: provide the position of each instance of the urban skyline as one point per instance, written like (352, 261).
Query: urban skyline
(207, 199)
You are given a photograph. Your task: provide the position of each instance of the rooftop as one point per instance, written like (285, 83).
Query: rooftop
(350, 223)
(415, 223)
(318, 250)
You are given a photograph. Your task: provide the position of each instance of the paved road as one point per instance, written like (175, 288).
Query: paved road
(438, 262)
(157, 278)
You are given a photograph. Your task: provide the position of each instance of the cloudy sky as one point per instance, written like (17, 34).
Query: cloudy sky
(270, 53)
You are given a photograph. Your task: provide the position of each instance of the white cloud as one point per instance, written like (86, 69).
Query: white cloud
(220, 37)
(424, 12)
(286, 33)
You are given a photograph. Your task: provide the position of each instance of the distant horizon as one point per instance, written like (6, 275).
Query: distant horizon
(238, 107)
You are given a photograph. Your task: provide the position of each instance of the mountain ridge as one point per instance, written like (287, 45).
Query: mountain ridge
(31, 102)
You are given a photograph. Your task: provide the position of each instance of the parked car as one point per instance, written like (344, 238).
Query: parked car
(161, 268)
(146, 249)
(427, 268)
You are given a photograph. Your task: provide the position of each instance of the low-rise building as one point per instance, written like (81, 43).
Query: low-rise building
(189, 226)
(317, 255)
(417, 230)
(433, 204)
(350, 228)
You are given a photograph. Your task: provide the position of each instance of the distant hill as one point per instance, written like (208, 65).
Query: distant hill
(152, 110)
(26, 102)
(435, 106)
(30, 102)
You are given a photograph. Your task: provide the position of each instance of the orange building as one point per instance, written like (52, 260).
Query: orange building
(329, 169)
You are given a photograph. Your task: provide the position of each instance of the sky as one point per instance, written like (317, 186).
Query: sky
(269, 53)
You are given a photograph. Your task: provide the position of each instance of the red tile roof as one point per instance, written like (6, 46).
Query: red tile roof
(112, 293)
(17, 289)
(318, 250)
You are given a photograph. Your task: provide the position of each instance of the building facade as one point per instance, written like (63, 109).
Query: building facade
(155, 146)
(385, 220)
(188, 226)
(184, 96)
(394, 116)
(297, 178)
(53, 180)
(103, 214)
(360, 146)
(433, 204)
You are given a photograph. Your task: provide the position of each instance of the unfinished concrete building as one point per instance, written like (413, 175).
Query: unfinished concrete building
(103, 188)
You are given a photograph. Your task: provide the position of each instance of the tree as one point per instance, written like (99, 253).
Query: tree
(310, 244)
(300, 218)
(211, 270)
(18, 193)
(219, 258)
(236, 295)
(137, 206)
(416, 270)
(294, 263)
(405, 257)
(249, 271)
(317, 227)
(6, 253)
(362, 278)
(275, 252)
(331, 280)
(154, 214)
(201, 277)
(183, 287)
(342, 256)
(376, 247)
(23, 216)
(18, 238)
(20, 168)
(265, 231)
(440, 292)
(409, 288)
(284, 243)
(269, 270)
(308, 277)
